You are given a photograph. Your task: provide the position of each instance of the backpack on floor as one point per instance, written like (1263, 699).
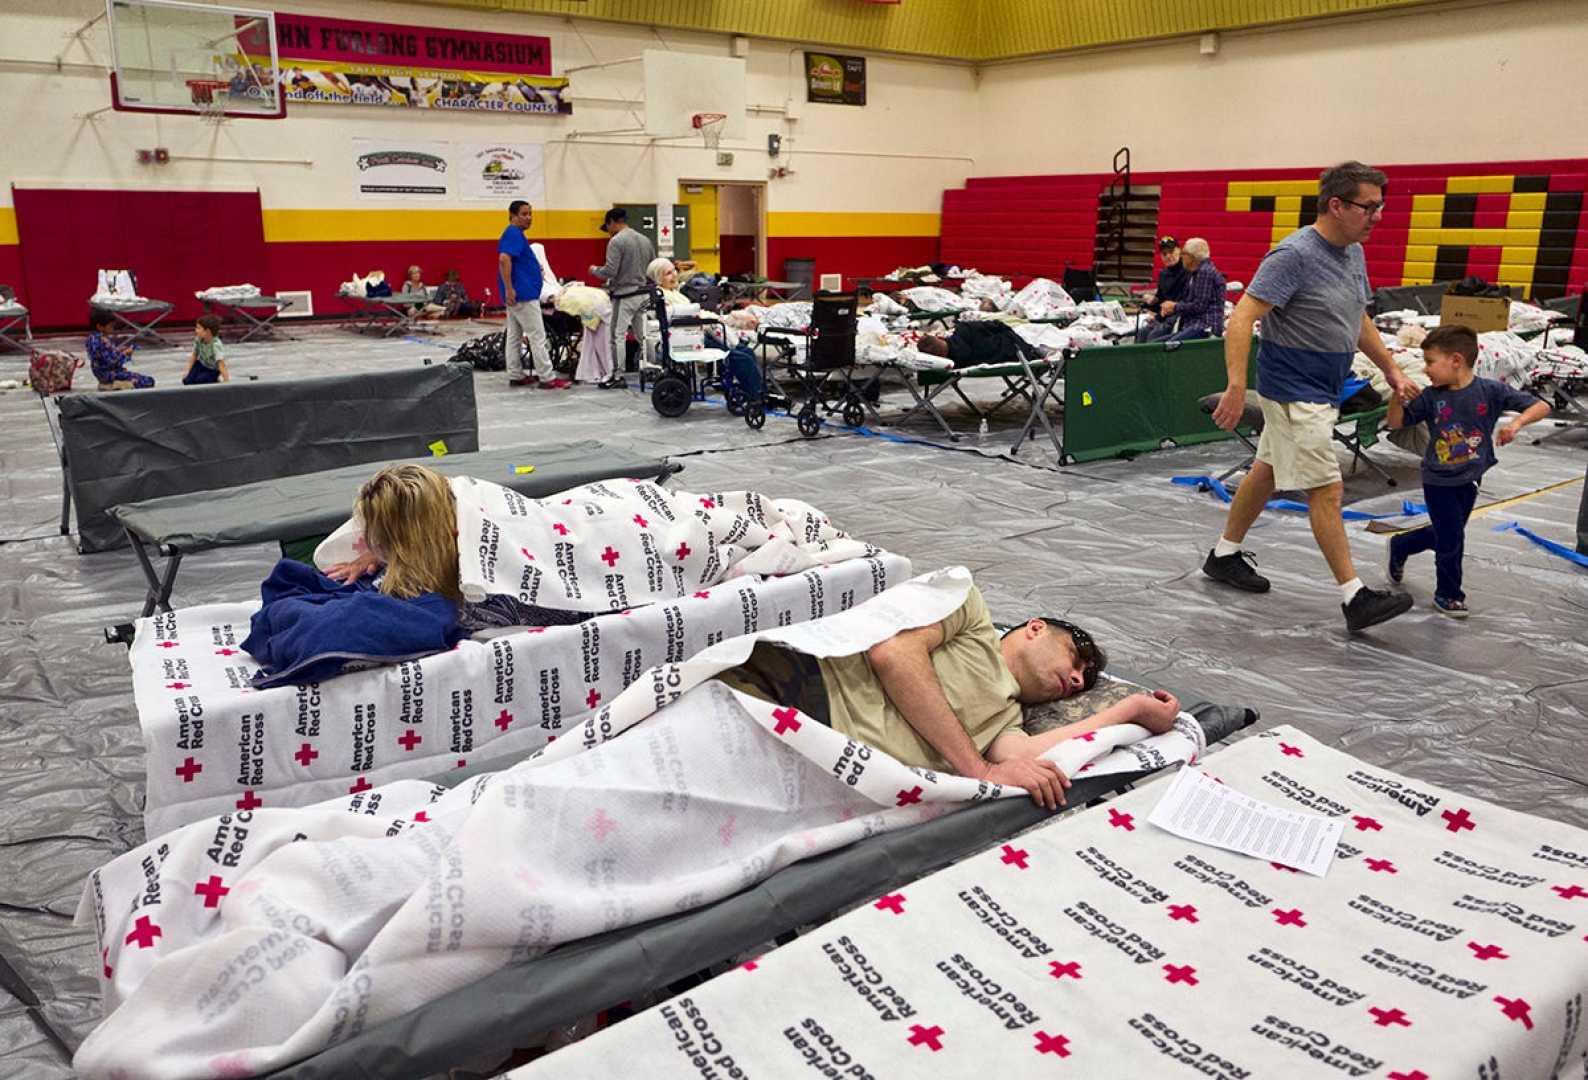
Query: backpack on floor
(484, 353)
(51, 372)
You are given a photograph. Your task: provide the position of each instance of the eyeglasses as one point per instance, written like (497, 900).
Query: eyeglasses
(1368, 208)
(1085, 649)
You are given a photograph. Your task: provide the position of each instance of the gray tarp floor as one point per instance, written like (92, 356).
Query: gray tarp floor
(1497, 705)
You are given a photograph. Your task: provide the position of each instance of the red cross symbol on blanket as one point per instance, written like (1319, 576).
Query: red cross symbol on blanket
(361, 785)
(931, 1037)
(1569, 892)
(1289, 918)
(909, 798)
(249, 801)
(749, 965)
(1516, 1009)
(1087, 736)
(703, 594)
(179, 685)
(593, 698)
(1380, 866)
(1121, 821)
(1286, 869)
(1457, 820)
(306, 754)
(893, 902)
(1364, 823)
(1072, 968)
(143, 933)
(167, 644)
(708, 504)
(225, 652)
(610, 557)
(1014, 856)
(1290, 751)
(525, 552)
(1415, 1074)
(1487, 952)
(211, 890)
(641, 522)
(104, 958)
(1052, 1044)
(787, 720)
(504, 719)
(410, 739)
(1180, 974)
(559, 528)
(188, 769)
(1186, 912)
(600, 825)
(1386, 1017)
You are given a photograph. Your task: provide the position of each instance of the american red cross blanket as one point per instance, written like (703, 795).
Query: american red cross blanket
(246, 941)
(1446, 940)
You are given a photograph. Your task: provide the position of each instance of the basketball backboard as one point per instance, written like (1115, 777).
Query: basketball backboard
(679, 85)
(174, 57)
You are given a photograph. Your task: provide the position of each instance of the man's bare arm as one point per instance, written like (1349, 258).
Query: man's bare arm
(1155, 712)
(1237, 355)
(1372, 346)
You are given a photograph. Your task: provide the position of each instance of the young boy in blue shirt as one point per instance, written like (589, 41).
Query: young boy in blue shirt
(1461, 411)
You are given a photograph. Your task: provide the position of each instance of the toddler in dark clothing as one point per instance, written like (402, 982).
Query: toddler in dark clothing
(1461, 412)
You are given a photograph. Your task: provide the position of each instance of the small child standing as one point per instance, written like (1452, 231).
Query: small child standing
(208, 362)
(1461, 411)
(107, 359)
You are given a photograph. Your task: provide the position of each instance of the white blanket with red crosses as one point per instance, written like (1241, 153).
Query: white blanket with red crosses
(240, 943)
(1446, 940)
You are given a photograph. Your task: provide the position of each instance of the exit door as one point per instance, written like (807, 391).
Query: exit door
(705, 240)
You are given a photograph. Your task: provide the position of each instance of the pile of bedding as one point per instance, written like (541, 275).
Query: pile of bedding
(244, 942)
(226, 293)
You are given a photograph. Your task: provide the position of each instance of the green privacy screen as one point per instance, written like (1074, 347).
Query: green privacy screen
(1123, 399)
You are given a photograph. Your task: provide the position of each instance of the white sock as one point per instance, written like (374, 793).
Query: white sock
(1225, 547)
(1349, 590)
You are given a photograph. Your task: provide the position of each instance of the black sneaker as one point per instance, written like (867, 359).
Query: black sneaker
(1239, 570)
(1394, 569)
(1369, 607)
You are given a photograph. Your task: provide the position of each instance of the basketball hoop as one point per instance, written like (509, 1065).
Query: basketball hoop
(710, 125)
(210, 96)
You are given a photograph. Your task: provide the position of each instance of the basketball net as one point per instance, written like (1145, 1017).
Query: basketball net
(210, 96)
(710, 126)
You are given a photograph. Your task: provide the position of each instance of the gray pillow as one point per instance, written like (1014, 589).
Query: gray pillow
(1040, 718)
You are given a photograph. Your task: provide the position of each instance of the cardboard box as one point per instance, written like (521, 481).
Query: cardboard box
(1481, 313)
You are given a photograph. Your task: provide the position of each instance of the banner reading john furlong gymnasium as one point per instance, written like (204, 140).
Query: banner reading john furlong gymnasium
(350, 62)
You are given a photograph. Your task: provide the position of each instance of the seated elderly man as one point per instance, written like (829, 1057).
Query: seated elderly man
(949, 696)
(1199, 312)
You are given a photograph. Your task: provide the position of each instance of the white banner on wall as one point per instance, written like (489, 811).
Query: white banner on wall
(409, 171)
(501, 172)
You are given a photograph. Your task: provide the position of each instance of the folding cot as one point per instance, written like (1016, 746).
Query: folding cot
(11, 315)
(1034, 383)
(396, 310)
(257, 314)
(1356, 431)
(139, 318)
(313, 504)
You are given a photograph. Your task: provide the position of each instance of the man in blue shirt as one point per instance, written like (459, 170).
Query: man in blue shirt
(518, 272)
(1311, 294)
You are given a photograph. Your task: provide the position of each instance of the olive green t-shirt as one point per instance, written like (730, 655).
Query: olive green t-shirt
(978, 685)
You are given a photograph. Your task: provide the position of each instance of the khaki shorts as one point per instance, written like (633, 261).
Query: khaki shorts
(1298, 444)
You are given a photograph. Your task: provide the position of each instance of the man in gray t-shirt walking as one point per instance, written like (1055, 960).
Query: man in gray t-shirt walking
(1311, 294)
(628, 254)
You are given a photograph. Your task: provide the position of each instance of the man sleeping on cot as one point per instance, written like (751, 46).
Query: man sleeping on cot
(947, 696)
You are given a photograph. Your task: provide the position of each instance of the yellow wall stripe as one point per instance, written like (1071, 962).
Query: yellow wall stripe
(801, 223)
(342, 226)
(8, 225)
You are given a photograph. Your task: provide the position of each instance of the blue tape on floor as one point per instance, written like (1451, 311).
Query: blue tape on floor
(1550, 546)
(1208, 483)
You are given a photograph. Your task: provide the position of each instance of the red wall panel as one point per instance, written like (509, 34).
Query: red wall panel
(851, 256)
(176, 242)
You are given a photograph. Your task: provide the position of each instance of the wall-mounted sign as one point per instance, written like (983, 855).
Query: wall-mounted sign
(502, 172)
(411, 171)
(350, 62)
(831, 79)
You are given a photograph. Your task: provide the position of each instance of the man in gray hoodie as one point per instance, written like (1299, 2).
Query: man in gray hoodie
(628, 254)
